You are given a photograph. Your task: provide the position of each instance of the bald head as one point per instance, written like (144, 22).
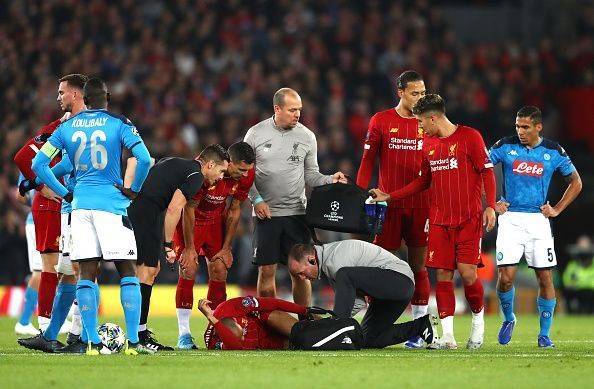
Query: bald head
(287, 108)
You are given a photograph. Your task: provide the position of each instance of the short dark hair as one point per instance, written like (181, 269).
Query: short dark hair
(75, 80)
(242, 151)
(279, 96)
(95, 93)
(300, 250)
(407, 76)
(531, 112)
(429, 103)
(214, 152)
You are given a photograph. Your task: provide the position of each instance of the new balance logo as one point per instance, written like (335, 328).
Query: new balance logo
(347, 340)
(425, 334)
(131, 252)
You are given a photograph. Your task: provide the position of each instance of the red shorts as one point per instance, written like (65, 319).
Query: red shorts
(208, 240)
(449, 245)
(409, 224)
(47, 231)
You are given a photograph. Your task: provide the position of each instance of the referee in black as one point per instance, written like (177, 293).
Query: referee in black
(155, 212)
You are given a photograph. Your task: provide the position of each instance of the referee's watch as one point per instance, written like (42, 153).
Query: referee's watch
(168, 244)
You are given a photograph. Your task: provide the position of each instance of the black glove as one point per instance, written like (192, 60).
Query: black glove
(26, 185)
(68, 197)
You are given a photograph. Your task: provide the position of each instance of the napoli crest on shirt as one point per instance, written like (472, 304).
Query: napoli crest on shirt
(453, 149)
(248, 301)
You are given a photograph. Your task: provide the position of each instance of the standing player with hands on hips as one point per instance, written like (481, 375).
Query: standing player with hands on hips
(101, 230)
(528, 162)
(395, 135)
(456, 165)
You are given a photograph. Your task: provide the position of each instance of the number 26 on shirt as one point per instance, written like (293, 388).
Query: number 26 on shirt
(98, 151)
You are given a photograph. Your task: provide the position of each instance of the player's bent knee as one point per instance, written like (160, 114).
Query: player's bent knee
(267, 271)
(217, 275)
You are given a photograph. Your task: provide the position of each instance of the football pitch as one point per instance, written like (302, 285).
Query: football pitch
(519, 365)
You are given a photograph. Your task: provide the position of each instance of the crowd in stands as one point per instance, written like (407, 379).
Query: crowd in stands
(190, 73)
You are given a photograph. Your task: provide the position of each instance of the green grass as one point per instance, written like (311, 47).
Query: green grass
(521, 364)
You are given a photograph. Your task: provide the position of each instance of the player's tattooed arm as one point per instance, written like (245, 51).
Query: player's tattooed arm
(574, 188)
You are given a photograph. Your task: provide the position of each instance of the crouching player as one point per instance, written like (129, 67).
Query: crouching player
(210, 227)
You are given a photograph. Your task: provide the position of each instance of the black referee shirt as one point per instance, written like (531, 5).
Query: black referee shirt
(168, 175)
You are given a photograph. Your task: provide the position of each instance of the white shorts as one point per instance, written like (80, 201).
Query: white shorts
(525, 233)
(64, 265)
(34, 255)
(102, 234)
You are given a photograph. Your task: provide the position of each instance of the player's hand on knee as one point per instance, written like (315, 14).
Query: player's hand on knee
(225, 256)
(188, 258)
(501, 207)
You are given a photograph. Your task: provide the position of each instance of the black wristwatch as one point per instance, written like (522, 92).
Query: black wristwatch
(168, 244)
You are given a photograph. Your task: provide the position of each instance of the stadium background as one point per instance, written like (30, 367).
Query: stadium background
(192, 73)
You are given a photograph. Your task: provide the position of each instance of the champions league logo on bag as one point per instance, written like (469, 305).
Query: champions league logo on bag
(333, 216)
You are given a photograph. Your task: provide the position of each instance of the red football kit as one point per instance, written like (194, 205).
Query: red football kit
(46, 213)
(251, 314)
(399, 142)
(211, 211)
(456, 167)
(209, 230)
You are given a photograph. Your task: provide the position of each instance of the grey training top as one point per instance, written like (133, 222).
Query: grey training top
(286, 160)
(357, 253)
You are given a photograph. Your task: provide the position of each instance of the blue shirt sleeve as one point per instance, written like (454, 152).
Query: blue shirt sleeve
(495, 153)
(133, 142)
(40, 165)
(563, 163)
(61, 169)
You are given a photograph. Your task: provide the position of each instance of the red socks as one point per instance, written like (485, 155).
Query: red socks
(217, 293)
(422, 289)
(47, 292)
(446, 300)
(475, 296)
(184, 294)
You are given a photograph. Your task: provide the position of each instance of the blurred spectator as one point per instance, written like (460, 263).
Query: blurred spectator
(578, 277)
(189, 73)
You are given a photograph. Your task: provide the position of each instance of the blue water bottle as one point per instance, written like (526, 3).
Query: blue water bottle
(380, 214)
(370, 215)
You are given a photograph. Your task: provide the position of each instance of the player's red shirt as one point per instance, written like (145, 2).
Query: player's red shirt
(399, 142)
(211, 208)
(24, 158)
(456, 168)
(251, 314)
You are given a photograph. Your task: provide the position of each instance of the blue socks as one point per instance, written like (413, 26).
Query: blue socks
(28, 306)
(131, 302)
(546, 309)
(87, 304)
(63, 300)
(506, 301)
(83, 335)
